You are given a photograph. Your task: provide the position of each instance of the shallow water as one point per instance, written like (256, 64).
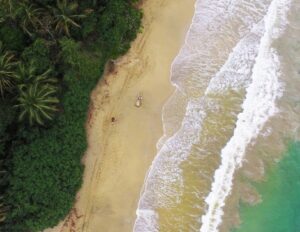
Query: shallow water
(236, 101)
(279, 210)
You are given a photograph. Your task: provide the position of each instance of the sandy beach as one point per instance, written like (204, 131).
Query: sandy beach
(122, 138)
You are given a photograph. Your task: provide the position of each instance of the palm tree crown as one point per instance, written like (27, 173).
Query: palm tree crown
(65, 16)
(27, 74)
(30, 17)
(37, 102)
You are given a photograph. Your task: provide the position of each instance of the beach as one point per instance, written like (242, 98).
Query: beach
(215, 130)
(122, 137)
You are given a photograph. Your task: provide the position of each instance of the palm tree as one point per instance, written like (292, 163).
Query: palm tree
(7, 73)
(30, 17)
(26, 74)
(65, 16)
(37, 103)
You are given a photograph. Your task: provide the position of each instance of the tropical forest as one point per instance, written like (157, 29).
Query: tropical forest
(52, 54)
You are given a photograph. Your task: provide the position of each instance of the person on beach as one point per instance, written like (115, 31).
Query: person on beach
(139, 99)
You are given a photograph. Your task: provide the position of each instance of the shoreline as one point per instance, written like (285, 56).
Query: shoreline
(122, 138)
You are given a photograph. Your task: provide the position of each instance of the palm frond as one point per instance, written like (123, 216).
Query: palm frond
(65, 16)
(37, 102)
(7, 71)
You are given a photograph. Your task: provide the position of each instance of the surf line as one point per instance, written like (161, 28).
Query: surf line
(258, 107)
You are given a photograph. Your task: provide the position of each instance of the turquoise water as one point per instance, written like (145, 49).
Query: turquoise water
(279, 210)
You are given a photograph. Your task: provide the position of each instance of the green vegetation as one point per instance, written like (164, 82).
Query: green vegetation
(38, 54)
(7, 73)
(52, 54)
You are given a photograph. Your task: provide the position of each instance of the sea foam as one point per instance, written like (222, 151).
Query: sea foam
(258, 107)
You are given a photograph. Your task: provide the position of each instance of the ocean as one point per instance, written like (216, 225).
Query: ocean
(279, 209)
(232, 124)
